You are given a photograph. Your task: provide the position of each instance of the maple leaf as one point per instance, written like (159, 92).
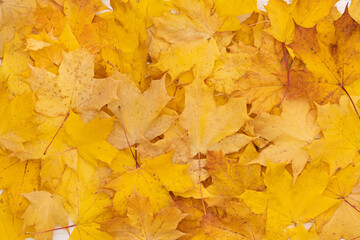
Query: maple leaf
(87, 207)
(340, 145)
(230, 10)
(153, 179)
(125, 34)
(175, 139)
(17, 178)
(138, 114)
(78, 145)
(80, 13)
(194, 212)
(144, 222)
(341, 220)
(202, 55)
(10, 10)
(73, 88)
(14, 67)
(10, 227)
(295, 129)
(182, 27)
(230, 178)
(45, 211)
(17, 126)
(207, 123)
(334, 65)
(89, 138)
(287, 203)
(126, 28)
(234, 74)
(240, 223)
(305, 13)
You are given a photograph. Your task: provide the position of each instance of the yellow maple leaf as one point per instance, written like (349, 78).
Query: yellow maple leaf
(289, 133)
(45, 211)
(333, 68)
(340, 145)
(239, 224)
(10, 227)
(14, 67)
(17, 126)
(153, 179)
(207, 123)
(184, 27)
(17, 178)
(287, 203)
(197, 55)
(73, 88)
(256, 73)
(149, 118)
(341, 221)
(230, 178)
(138, 113)
(305, 13)
(80, 12)
(194, 211)
(89, 139)
(87, 207)
(144, 222)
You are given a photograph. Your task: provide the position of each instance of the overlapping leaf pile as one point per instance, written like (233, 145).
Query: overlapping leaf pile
(180, 119)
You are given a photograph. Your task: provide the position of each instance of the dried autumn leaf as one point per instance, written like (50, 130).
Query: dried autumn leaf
(17, 126)
(190, 224)
(17, 178)
(254, 73)
(198, 56)
(207, 123)
(87, 207)
(305, 13)
(240, 223)
(144, 222)
(89, 139)
(14, 67)
(45, 211)
(289, 133)
(10, 227)
(230, 178)
(340, 145)
(196, 21)
(334, 65)
(341, 221)
(80, 13)
(153, 179)
(74, 87)
(287, 202)
(138, 114)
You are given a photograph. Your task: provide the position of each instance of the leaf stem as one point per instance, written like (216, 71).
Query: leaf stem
(352, 205)
(62, 124)
(352, 102)
(200, 188)
(127, 140)
(60, 179)
(51, 230)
